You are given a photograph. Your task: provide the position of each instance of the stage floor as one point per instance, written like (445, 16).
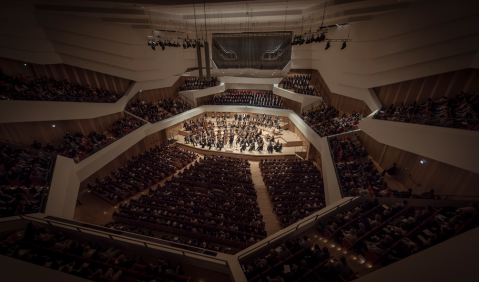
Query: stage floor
(286, 137)
(287, 151)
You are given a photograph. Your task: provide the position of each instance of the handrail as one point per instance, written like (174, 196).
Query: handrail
(335, 167)
(44, 200)
(300, 223)
(187, 100)
(126, 235)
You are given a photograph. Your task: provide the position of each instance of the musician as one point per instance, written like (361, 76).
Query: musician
(243, 147)
(276, 146)
(187, 140)
(270, 147)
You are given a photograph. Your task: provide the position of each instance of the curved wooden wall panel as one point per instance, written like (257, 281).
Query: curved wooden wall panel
(63, 71)
(43, 131)
(344, 104)
(436, 86)
(445, 179)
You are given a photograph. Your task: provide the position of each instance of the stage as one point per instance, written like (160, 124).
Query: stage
(291, 144)
(286, 137)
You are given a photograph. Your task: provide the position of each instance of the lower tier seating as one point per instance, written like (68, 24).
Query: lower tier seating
(211, 201)
(88, 259)
(141, 172)
(296, 188)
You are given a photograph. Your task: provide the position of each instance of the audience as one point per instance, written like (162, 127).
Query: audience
(24, 178)
(154, 113)
(211, 201)
(88, 259)
(197, 83)
(78, 146)
(296, 188)
(141, 172)
(293, 259)
(299, 84)
(324, 121)
(356, 172)
(43, 89)
(248, 98)
(461, 111)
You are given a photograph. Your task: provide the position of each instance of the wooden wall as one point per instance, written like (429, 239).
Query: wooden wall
(201, 101)
(343, 103)
(292, 105)
(349, 105)
(63, 71)
(44, 132)
(447, 84)
(445, 179)
(140, 147)
(153, 95)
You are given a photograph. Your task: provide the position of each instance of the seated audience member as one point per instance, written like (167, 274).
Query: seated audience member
(43, 89)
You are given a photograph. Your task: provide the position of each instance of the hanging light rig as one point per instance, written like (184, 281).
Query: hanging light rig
(162, 41)
(320, 34)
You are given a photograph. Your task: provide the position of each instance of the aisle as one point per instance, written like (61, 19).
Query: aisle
(264, 202)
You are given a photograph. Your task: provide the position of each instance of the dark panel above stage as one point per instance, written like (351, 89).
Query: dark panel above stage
(258, 50)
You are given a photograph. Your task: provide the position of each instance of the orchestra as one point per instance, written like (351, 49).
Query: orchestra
(244, 133)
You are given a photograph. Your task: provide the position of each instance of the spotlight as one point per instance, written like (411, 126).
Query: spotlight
(327, 46)
(344, 45)
(322, 37)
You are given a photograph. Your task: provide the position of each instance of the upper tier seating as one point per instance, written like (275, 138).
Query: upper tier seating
(79, 147)
(141, 172)
(297, 260)
(395, 231)
(154, 113)
(197, 83)
(247, 98)
(460, 112)
(324, 120)
(299, 84)
(88, 259)
(212, 201)
(356, 172)
(296, 188)
(43, 89)
(24, 181)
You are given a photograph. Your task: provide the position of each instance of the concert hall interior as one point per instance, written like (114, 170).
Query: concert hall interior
(239, 141)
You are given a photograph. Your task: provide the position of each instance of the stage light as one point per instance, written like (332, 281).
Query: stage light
(25, 64)
(344, 45)
(322, 37)
(53, 125)
(327, 46)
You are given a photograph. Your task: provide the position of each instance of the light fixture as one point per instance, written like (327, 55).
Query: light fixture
(141, 90)
(327, 46)
(25, 64)
(344, 45)
(54, 126)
